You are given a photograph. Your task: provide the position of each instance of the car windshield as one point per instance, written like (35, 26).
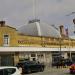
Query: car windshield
(7, 71)
(27, 62)
(30, 62)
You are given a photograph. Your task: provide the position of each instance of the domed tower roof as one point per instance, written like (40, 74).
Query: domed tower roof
(37, 28)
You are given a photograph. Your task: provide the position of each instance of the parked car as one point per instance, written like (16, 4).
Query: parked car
(68, 62)
(9, 71)
(64, 62)
(30, 66)
(72, 68)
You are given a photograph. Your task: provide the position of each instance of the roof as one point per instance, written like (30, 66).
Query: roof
(39, 29)
(4, 67)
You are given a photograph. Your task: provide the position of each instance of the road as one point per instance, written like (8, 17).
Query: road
(53, 71)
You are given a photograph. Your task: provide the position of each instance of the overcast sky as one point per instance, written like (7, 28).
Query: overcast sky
(17, 12)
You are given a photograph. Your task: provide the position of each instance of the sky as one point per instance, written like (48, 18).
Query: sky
(17, 13)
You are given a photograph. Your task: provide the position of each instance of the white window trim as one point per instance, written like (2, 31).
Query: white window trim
(8, 40)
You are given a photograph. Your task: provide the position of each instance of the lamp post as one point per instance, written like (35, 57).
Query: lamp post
(69, 48)
(60, 39)
(69, 40)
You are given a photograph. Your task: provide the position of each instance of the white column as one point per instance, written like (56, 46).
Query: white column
(44, 57)
(65, 55)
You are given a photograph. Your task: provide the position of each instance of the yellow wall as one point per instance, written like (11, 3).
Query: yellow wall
(12, 35)
(29, 41)
(44, 41)
(17, 39)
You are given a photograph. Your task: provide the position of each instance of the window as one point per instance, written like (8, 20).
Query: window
(1, 72)
(10, 70)
(7, 71)
(6, 40)
(33, 55)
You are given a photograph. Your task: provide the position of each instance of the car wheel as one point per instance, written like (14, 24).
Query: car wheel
(41, 69)
(71, 72)
(29, 71)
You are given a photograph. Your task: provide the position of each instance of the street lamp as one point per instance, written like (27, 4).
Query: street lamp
(69, 41)
(61, 38)
(69, 48)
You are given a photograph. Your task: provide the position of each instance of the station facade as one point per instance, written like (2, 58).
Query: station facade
(15, 47)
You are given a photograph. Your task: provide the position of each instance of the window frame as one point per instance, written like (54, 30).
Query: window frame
(6, 40)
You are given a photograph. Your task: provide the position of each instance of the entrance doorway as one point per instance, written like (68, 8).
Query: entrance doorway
(7, 60)
(73, 57)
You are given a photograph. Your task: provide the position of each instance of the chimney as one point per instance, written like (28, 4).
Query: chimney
(67, 34)
(62, 30)
(2, 23)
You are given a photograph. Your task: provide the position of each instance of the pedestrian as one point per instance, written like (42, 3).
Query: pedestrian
(20, 69)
